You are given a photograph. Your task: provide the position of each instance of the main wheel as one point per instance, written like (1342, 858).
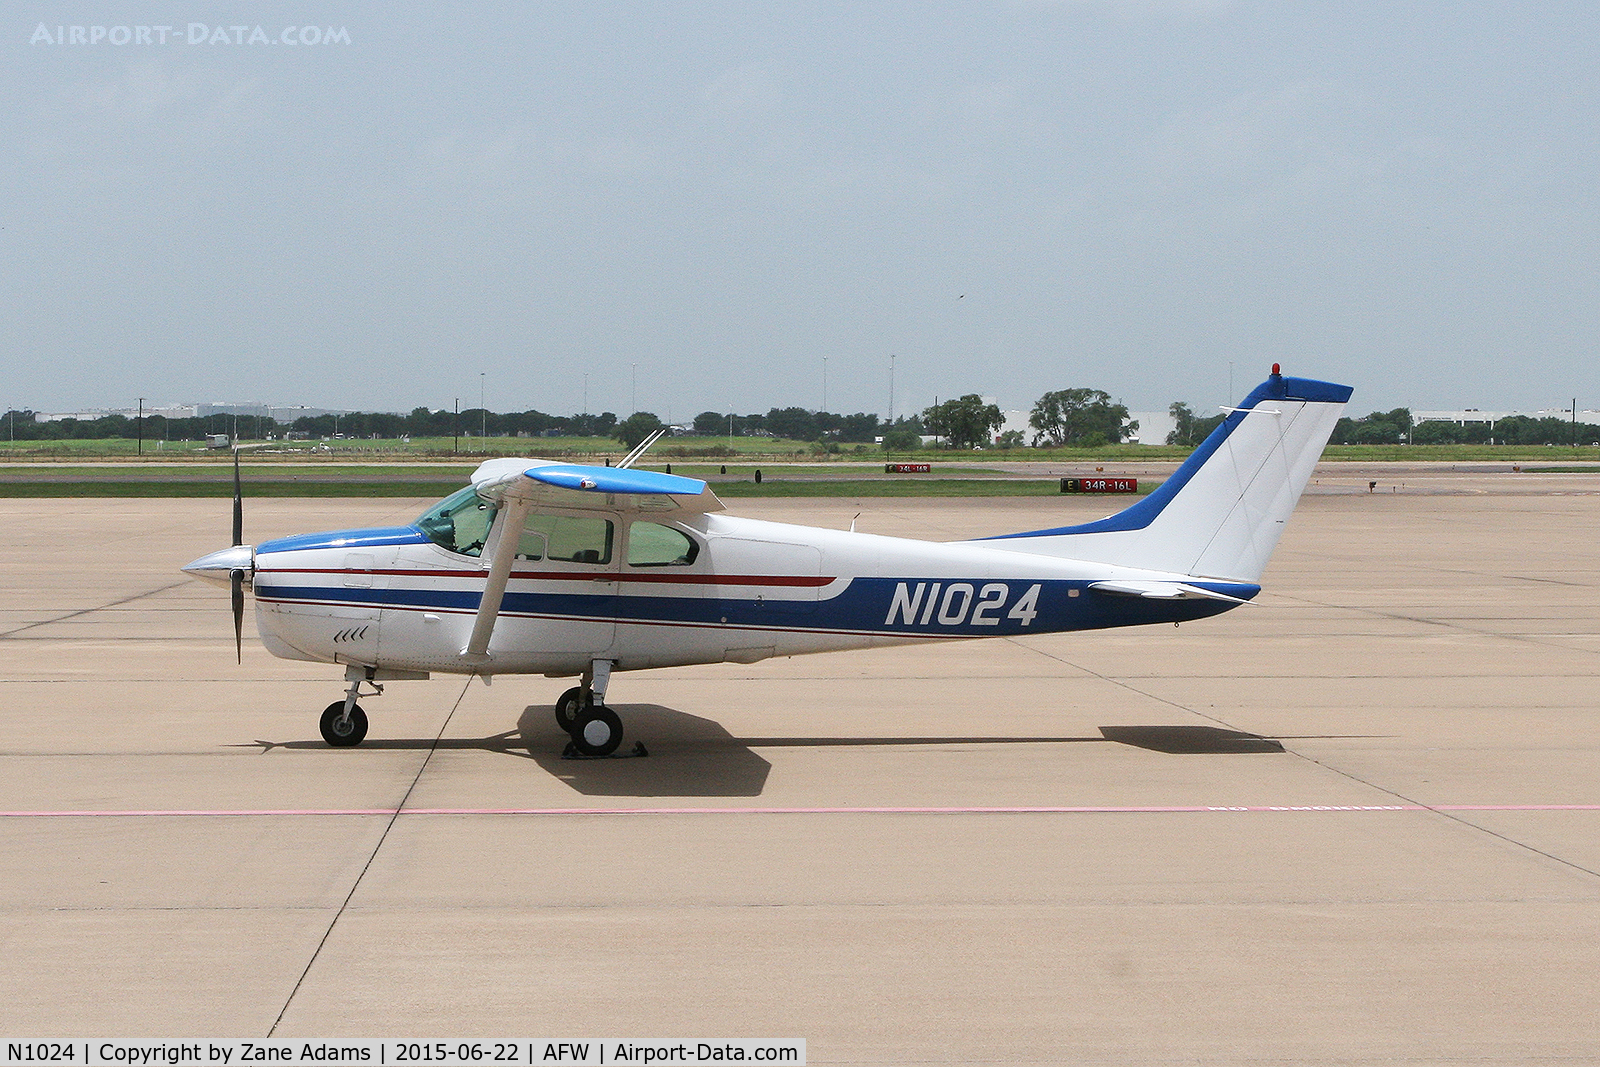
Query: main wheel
(343, 734)
(597, 731)
(568, 706)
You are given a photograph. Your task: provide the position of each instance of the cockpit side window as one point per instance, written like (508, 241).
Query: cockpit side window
(652, 545)
(459, 523)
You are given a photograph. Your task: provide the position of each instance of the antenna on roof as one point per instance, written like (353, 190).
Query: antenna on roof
(642, 448)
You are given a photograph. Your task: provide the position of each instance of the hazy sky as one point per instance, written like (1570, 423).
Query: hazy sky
(1011, 197)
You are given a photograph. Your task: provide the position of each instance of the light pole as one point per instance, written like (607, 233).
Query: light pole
(824, 383)
(483, 412)
(635, 388)
(141, 426)
(891, 391)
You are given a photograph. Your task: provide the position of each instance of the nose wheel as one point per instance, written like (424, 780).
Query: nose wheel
(341, 729)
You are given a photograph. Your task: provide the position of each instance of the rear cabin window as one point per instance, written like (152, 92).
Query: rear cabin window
(652, 545)
(566, 538)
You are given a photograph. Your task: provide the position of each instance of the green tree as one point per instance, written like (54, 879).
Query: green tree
(858, 427)
(1183, 432)
(1081, 417)
(797, 424)
(1191, 428)
(1378, 428)
(711, 423)
(963, 422)
(632, 430)
(1436, 433)
(901, 438)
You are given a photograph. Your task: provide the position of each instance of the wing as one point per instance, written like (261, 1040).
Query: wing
(572, 485)
(517, 486)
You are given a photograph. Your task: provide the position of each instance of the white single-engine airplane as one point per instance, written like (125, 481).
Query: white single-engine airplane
(568, 570)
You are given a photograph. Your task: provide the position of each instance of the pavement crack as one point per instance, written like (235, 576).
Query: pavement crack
(365, 867)
(1452, 816)
(1443, 624)
(90, 611)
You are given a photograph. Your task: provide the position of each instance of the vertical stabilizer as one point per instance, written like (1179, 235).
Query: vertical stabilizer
(1221, 513)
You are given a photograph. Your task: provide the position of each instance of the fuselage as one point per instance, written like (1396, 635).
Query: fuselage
(539, 567)
(663, 592)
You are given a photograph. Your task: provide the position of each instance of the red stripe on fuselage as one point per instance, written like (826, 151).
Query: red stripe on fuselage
(798, 581)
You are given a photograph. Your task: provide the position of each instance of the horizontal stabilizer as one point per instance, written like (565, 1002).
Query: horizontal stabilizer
(1163, 591)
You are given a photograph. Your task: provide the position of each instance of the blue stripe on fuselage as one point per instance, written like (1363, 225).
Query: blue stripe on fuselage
(887, 606)
(368, 538)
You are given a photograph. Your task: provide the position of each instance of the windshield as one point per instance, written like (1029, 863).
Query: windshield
(460, 522)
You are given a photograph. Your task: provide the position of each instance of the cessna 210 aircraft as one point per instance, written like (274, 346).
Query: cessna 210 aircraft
(581, 571)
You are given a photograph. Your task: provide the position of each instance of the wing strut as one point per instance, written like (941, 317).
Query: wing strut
(502, 553)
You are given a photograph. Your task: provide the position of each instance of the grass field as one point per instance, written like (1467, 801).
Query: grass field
(704, 455)
(445, 482)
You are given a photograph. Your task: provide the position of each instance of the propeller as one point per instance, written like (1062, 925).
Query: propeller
(233, 567)
(236, 575)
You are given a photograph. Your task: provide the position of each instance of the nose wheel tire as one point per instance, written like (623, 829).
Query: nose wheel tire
(596, 731)
(352, 730)
(568, 706)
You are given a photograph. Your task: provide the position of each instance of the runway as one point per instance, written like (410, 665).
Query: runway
(1357, 822)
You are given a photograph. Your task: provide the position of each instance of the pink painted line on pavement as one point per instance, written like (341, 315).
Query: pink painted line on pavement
(1179, 809)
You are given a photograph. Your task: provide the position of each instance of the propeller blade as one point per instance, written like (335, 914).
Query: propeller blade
(238, 503)
(236, 575)
(236, 590)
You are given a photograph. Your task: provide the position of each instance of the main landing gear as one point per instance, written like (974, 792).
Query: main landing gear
(595, 729)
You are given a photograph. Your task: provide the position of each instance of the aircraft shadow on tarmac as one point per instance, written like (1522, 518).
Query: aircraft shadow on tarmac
(1190, 740)
(689, 756)
(695, 756)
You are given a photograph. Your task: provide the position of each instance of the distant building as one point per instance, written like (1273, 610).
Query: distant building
(1470, 416)
(1153, 427)
(287, 414)
(283, 413)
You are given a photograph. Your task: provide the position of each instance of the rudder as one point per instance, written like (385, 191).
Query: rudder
(1221, 513)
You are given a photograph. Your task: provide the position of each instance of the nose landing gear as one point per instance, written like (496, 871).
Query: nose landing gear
(343, 722)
